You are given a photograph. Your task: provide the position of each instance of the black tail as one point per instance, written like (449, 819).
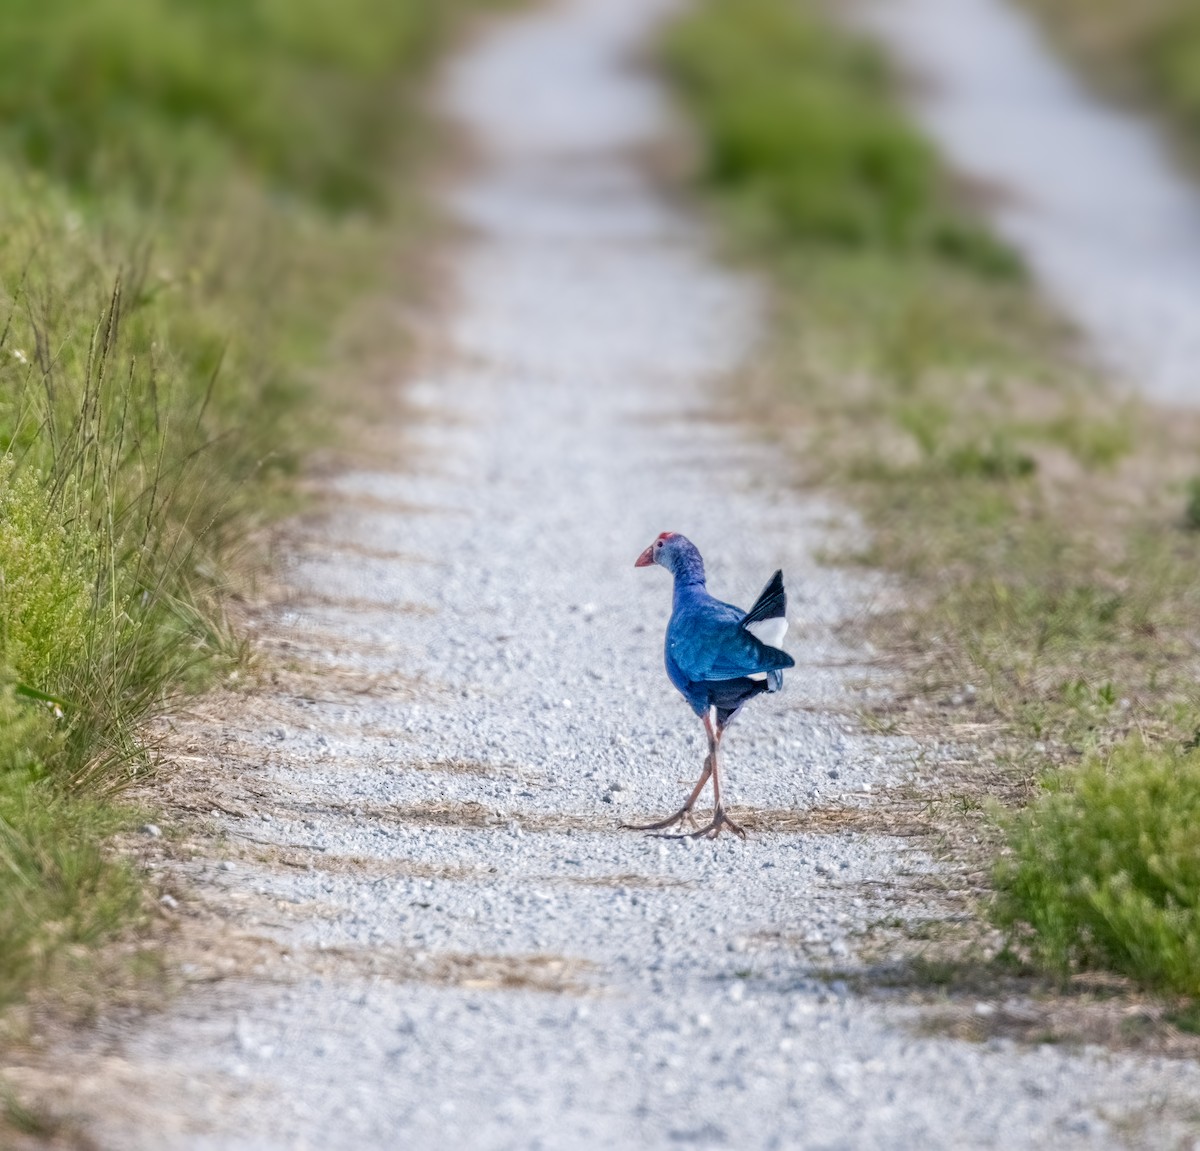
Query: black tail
(771, 604)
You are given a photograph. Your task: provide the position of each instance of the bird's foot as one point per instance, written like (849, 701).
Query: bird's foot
(684, 813)
(719, 820)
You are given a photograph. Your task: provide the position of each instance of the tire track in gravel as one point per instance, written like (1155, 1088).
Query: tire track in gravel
(419, 925)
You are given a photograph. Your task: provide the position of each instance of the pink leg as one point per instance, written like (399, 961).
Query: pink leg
(719, 819)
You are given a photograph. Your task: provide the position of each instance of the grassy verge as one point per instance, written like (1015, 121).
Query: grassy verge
(191, 194)
(1041, 524)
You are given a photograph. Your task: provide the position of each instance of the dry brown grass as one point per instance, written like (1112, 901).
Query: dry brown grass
(324, 547)
(203, 956)
(888, 817)
(456, 765)
(551, 974)
(905, 812)
(305, 599)
(468, 815)
(283, 648)
(623, 879)
(366, 867)
(338, 499)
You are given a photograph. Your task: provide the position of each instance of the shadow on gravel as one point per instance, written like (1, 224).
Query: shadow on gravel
(962, 985)
(999, 999)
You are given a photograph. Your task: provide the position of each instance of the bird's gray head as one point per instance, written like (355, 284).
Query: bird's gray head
(674, 552)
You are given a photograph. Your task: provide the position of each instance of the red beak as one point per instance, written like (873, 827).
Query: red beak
(645, 559)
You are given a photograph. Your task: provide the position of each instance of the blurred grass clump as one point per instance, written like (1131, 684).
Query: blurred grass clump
(1104, 868)
(1036, 516)
(801, 135)
(191, 194)
(148, 95)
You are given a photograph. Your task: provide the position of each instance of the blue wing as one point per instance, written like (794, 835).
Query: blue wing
(707, 642)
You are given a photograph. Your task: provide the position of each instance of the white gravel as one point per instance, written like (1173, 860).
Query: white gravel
(566, 426)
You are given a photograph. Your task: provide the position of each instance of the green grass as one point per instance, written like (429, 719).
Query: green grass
(1105, 869)
(804, 143)
(1041, 524)
(152, 95)
(192, 195)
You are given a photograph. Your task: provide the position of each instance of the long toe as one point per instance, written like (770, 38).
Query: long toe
(671, 820)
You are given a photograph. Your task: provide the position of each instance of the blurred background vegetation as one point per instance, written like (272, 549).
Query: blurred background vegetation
(148, 95)
(192, 193)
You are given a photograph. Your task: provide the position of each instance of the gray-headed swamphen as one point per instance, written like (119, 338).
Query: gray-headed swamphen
(719, 657)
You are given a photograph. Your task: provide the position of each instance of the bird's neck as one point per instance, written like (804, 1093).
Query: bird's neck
(689, 575)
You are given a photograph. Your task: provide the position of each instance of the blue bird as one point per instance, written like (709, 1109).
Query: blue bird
(719, 657)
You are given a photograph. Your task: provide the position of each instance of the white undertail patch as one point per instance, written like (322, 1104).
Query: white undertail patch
(769, 631)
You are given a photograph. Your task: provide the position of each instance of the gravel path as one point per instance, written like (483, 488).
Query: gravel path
(437, 936)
